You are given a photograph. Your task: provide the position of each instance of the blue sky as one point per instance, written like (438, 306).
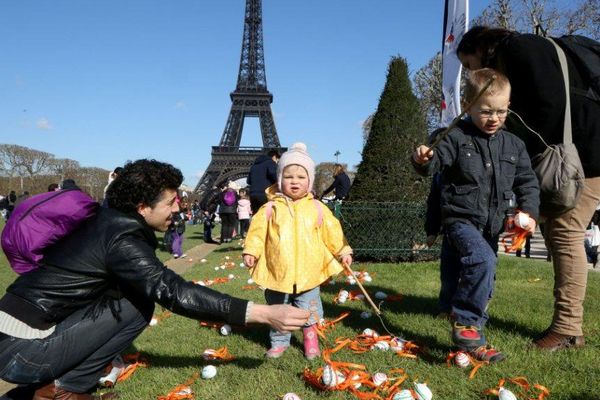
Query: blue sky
(103, 82)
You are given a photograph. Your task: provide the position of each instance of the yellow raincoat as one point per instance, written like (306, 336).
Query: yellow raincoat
(294, 253)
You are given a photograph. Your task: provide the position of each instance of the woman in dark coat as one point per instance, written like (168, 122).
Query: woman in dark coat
(538, 96)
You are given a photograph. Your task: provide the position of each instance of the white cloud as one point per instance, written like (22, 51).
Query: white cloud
(44, 124)
(180, 105)
(200, 173)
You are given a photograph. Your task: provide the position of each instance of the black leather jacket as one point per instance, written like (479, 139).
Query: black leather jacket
(110, 256)
(480, 174)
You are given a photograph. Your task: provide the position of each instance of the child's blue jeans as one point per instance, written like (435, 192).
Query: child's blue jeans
(309, 300)
(468, 273)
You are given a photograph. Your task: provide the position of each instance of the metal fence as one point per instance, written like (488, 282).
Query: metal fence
(386, 231)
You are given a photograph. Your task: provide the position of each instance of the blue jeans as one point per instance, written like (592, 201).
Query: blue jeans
(75, 355)
(309, 300)
(468, 273)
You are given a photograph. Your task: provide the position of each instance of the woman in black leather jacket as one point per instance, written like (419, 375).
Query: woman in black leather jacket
(61, 324)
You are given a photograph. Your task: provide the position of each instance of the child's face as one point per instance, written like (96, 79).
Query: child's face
(294, 182)
(490, 110)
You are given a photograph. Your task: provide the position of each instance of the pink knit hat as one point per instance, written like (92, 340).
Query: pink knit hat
(297, 155)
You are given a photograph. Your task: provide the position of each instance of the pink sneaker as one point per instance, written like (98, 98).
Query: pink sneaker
(276, 352)
(311, 342)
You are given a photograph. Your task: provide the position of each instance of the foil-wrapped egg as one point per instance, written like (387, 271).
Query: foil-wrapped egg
(225, 330)
(381, 345)
(422, 391)
(209, 372)
(397, 344)
(365, 315)
(370, 332)
(380, 295)
(462, 360)
(505, 394)
(331, 377)
(379, 378)
(404, 394)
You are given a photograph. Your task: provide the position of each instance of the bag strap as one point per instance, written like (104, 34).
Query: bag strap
(567, 132)
(317, 203)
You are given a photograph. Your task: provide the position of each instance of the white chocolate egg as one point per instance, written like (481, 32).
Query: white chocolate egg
(380, 295)
(250, 281)
(379, 378)
(153, 322)
(209, 372)
(368, 278)
(201, 283)
(352, 281)
(216, 268)
(505, 394)
(242, 265)
(231, 276)
(227, 257)
(291, 396)
(225, 330)
(203, 260)
(404, 394)
(462, 360)
(423, 392)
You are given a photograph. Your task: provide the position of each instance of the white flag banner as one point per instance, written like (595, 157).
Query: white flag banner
(456, 16)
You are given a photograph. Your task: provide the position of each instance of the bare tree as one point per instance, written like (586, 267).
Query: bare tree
(427, 83)
(92, 180)
(64, 168)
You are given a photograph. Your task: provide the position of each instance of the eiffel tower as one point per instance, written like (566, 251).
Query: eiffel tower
(250, 98)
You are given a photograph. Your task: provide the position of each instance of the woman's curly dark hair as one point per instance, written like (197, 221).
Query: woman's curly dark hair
(483, 40)
(142, 182)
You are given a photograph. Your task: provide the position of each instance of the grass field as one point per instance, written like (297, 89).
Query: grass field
(522, 307)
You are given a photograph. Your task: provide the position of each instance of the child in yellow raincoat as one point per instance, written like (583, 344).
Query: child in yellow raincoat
(294, 244)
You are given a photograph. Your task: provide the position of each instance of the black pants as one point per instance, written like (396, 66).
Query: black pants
(76, 354)
(256, 201)
(244, 225)
(228, 221)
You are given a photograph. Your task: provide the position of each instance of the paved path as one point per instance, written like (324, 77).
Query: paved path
(180, 265)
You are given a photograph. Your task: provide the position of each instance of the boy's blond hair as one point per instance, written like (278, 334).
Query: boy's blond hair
(477, 80)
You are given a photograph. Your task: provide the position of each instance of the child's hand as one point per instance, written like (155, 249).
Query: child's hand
(422, 154)
(249, 260)
(347, 260)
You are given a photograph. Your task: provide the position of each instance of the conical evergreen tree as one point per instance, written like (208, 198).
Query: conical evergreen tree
(385, 173)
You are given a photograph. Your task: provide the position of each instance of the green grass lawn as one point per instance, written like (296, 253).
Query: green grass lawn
(522, 307)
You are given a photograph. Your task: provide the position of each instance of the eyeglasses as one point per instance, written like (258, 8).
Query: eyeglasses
(491, 113)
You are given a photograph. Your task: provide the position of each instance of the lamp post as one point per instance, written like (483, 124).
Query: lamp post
(336, 154)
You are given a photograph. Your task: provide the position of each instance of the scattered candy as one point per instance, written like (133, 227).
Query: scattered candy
(365, 315)
(422, 391)
(203, 260)
(380, 295)
(367, 278)
(397, 344)
(291, 396)
(332, 377)
(379, 378)
(242, 265)
(370, 332)
(462, 360)
(231, 276)
(153, 322)
(227, 257)
(250, 281)
(404, 394)
(505, 394)
(381, 345)
(209, 372)
(225, 330)
(216, 268)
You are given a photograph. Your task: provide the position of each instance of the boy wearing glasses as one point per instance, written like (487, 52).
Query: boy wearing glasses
(483, 170)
